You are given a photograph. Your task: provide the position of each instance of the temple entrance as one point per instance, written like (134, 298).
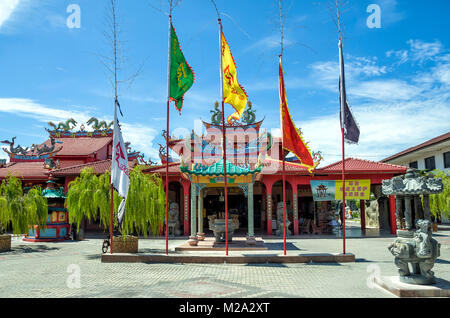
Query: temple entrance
(214, 204)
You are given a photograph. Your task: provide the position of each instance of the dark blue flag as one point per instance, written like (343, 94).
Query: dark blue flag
(348, 122)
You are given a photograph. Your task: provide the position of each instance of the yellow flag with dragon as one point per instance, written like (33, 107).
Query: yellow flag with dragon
(233, 93)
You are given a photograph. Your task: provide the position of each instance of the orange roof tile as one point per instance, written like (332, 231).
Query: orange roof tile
(79, 146)
(361, 165)
(275, 166)
(100, 167)
(33, 170)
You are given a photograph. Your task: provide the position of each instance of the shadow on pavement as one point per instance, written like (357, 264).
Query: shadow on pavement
(442, 261)
(266, 265)
(324, 264)
(22, 249)
(94, 256)
(280, 246)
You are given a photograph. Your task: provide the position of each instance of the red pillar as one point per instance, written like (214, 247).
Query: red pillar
(295, 207)
(268, 182)
(362, 208)
(393, 217)
(269, 211)
(186, 191)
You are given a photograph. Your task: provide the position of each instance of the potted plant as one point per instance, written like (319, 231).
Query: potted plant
(89, 197)
(19, 209)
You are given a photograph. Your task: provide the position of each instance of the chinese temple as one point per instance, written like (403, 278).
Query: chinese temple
(58, 161)
(196, 179)
(254, 177)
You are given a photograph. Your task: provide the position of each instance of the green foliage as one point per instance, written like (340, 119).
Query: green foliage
(146, 203)
(19, 209)
(440, 203)
(89, 197)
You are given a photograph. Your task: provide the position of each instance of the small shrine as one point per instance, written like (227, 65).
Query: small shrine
(410, 191)
(414, 244)
(202, 179)
(58, 227)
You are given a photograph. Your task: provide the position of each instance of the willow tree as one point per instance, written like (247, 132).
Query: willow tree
(440, 203)
(146, 204)
(89, 197)
(19, 209)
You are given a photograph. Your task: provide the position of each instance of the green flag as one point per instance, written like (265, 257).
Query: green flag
(181, 75)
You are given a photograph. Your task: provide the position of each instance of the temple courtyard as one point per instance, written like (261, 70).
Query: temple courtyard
(74, 269)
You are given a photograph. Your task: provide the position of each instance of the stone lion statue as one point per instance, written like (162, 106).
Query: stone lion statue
(419, 249)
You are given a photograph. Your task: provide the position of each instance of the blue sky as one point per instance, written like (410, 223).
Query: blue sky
(398, 76)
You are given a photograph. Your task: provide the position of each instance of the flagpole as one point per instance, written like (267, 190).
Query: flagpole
(342, 99)
(343, 188)
(111, 216)
(343, 152)
(112, 188)
(282, 131)
(284, 169)
(167, 135)
(224, 139)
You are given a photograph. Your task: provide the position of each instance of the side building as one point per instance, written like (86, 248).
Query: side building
(429, 155)
(61, 158)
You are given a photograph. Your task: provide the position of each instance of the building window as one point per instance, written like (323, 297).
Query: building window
(414, 165)
(447, 159)
(430, 164)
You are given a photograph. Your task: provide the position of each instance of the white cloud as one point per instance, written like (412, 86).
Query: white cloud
(419, 51)
(393, 113)
(7, 7)
(140, 136)
(268, 43)
(29, 108)
(385, 129)
(423, 51)
(385, 90)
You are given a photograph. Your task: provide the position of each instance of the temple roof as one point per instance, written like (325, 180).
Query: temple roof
(100, 167)
(33, 170)
(217, 169)
(174, 168)
(54, 193)
(82, 146)
(362, 166)
(275, 166)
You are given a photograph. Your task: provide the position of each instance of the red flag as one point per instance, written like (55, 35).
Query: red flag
(292, 140)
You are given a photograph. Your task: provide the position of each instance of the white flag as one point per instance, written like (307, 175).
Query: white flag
(120, 175)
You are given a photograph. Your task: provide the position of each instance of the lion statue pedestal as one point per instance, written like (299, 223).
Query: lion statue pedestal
(420, 250)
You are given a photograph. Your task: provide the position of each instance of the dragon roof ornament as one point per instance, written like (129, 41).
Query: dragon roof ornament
(64, 129)
(34, 152)
(247, 118)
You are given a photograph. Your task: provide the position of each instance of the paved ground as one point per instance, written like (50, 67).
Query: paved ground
(51, 270)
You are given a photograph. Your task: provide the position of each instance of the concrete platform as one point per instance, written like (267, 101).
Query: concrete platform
(209, 244)
(230, 259)
(393, 285)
